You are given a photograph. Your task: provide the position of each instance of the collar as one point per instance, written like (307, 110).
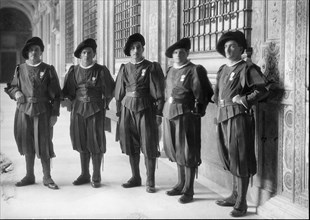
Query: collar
(138, 62)
(230, 65)
(34, 65)
(87, 67)
(175, 66)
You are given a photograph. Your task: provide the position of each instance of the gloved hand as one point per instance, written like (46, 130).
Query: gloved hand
(19, 96)
(53, 120)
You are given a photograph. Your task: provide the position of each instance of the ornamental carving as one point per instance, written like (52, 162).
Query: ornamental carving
(172, 18)
(288, 149)
(273, 19)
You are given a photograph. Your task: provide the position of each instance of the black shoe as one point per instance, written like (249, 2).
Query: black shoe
(51, 185)
(224, 202)
(150, 189)
(238, 212)
(174, 192)
(185, 199)
(81, 180)
(132, 182)
(25, 181)
(95, 184)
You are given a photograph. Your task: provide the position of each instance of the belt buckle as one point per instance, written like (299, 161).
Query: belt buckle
(222, 103)
(170, 100)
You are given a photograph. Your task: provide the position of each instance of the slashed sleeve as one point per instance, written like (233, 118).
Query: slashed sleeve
(157, 87)
(108, 86)
(216, 88)
(70, 86)
(255, 84)
(202, 89)
(14, 85)
(54, 91)
(120, 89)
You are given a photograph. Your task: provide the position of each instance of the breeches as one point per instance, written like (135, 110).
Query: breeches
(33, 134)
(236, 145)
(87, 134)
(138, 131)
(182, 139)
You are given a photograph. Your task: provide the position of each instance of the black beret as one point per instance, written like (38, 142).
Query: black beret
(237, 36)
(31, 42)
(183, 43)
(131, 39)
(86, 43)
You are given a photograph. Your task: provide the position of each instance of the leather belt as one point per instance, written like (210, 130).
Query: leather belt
(137, 94)
(89, 99)
(181, 101)
(33, 99)
(223, 103)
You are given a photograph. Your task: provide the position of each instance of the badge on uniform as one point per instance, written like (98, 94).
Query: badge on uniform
(170, 100)
(41, 75)
(182, 78)
(143, 72)
(231, 77)
(93, 78)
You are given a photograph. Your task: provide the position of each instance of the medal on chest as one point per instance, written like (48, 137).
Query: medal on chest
(41, 75)
(143, 72)
(231, 77)
(182, 78)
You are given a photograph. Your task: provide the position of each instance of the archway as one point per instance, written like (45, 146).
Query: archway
(15, 29)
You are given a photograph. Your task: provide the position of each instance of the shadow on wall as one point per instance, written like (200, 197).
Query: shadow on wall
(267, 115)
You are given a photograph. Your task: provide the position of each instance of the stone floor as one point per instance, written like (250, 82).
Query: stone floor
(109, 201)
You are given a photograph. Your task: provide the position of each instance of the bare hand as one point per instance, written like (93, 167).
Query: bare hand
(237, 99)
(19, 96)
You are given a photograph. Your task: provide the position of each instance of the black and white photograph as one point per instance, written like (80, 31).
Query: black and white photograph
(154, 109)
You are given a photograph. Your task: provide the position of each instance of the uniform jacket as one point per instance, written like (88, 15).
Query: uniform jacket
(187, 90)
(40, 86)
(140, 86)
(242, 79)
(90, 89)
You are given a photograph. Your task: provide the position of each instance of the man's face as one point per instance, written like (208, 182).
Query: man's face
(136, 50)
(87, 56)
(180, 56)
(232, 50)
(34, 53)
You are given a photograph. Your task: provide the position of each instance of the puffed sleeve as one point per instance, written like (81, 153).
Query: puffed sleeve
(120, 89)
(54, 91)
(70, 86)
(202, 89)
(157, 87)
(255, 83)
(216, 88)
(108, 86)
(14, 85)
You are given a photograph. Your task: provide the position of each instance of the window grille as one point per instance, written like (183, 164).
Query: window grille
(69, 31)
(90, 19)
(204, 21)
(126, 22)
